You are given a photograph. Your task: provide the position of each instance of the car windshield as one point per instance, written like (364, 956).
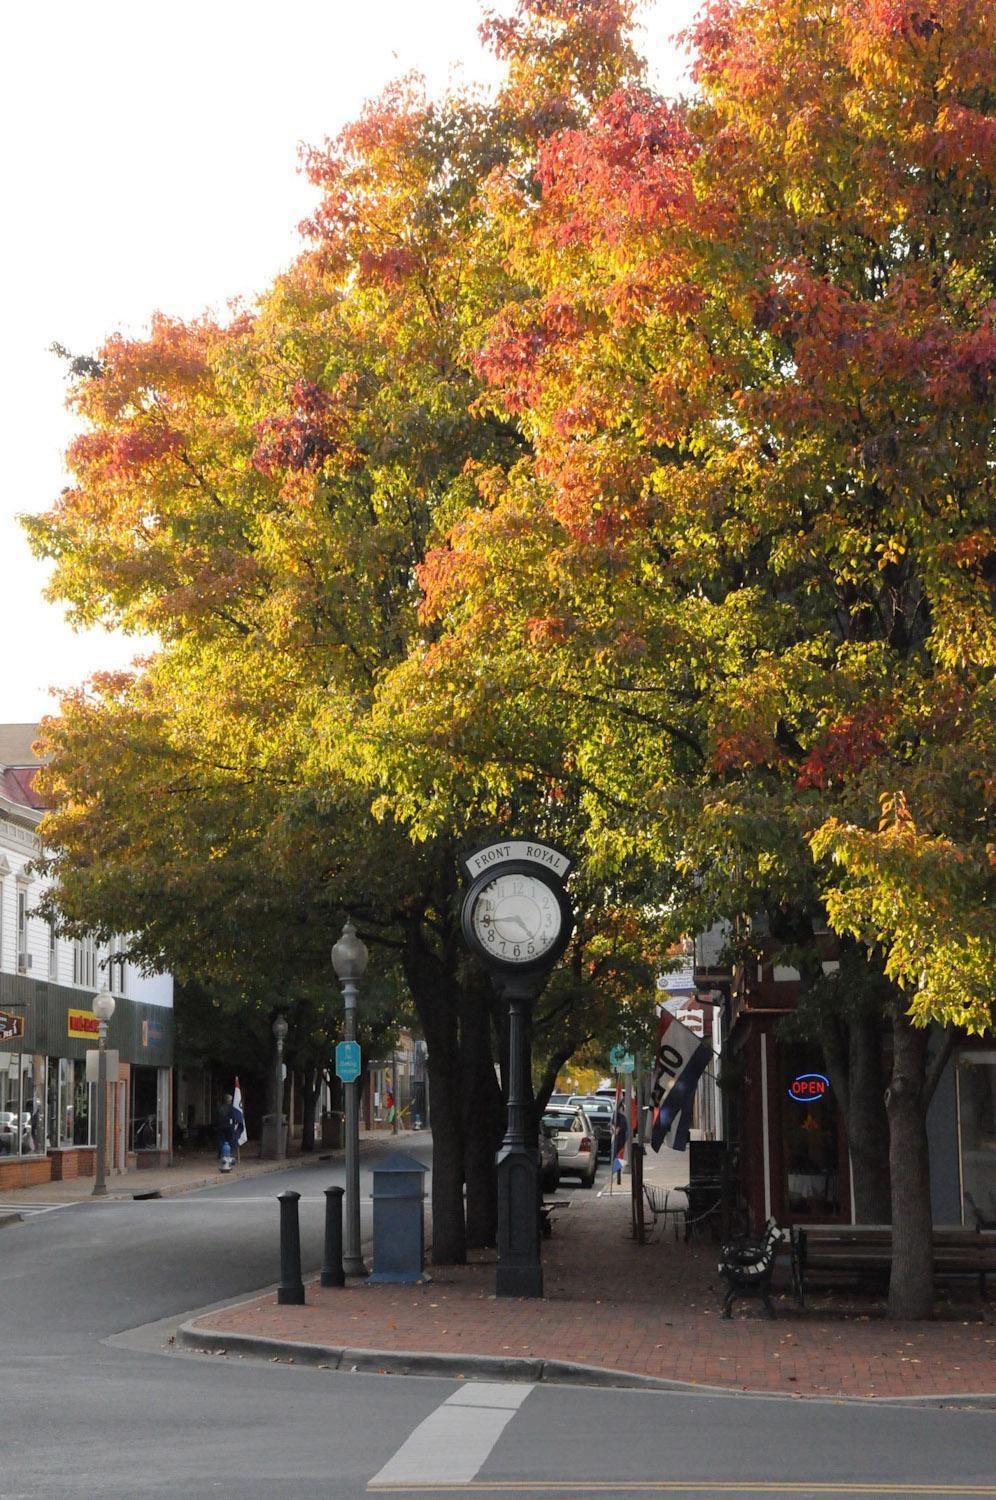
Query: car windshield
(559, 1121)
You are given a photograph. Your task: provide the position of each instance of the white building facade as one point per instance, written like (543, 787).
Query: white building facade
(47, 1026)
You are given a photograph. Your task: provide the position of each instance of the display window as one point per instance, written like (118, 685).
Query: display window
(149, 1106)
(809, 1137)
(22, 1113)
(84, 1106)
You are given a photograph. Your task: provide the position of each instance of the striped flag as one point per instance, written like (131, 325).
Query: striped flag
(620, 1135)
(237, 1110)
(679, 1063)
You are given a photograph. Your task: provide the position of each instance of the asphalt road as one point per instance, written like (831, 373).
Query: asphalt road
(93, 1404)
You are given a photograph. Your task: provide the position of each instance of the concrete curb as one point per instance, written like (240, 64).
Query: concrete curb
(511, 1368)
(413, 1361)
(136, 1190)
(215, 1179)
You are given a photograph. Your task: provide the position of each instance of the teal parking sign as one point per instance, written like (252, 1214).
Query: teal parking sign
(347, 1061)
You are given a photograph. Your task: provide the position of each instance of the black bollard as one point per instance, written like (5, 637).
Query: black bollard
(291, 1288)
(332, 1271)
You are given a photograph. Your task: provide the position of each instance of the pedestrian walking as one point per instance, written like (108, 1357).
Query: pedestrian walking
(226, 1127)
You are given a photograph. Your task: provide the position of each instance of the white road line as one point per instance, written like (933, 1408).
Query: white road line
(453, 1442)
(31, 1208)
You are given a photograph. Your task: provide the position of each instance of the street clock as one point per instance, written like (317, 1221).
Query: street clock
(518, 918)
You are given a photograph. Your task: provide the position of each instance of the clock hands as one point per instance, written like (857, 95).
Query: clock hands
(514, 917)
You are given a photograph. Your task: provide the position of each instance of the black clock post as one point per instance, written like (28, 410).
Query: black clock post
(517, 917)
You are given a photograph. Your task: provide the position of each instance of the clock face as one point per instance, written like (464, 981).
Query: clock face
(517, 918)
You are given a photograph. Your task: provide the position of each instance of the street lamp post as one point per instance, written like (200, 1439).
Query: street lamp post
(349, 959)
(280, 1036)
(103, 1009)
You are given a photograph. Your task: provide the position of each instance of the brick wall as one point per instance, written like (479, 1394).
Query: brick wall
(77, 1162)
(26, 1172)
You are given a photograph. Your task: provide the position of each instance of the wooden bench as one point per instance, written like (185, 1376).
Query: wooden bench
(548, 1209)
(862, 1253)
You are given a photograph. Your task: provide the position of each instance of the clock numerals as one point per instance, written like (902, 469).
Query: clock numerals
(517, 918)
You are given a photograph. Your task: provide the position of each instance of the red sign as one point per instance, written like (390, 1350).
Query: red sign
(808, 1086)
(82, 1023)
(11, 1027)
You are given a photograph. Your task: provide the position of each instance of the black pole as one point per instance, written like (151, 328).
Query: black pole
(520, 1272)
(636, 1188)
(291, 1288)
(332, 1271)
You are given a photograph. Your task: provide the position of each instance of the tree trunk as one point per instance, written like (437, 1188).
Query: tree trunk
(911, 1286)
(309, 1094)
(437, 1003)
(868, 1123)
(482, 1117)
(449, 1238)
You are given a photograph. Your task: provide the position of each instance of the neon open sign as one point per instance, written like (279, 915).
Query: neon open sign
(808, 1086)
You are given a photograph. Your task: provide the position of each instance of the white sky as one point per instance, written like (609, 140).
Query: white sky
(149, 161)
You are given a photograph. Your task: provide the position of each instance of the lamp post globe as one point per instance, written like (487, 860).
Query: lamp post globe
(103, 1006)
(349, 959)
(103, 1009)
(349, 956)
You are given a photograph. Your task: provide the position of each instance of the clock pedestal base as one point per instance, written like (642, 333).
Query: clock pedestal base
(519, 1273)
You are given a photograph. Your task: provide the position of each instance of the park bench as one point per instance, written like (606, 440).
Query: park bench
(549, 1208)
(747, 1267)
(827, 1254)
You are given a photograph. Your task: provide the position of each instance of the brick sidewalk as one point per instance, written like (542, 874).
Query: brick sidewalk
(649, 1311)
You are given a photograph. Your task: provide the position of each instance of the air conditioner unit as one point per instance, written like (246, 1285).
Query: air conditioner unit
(23, 962)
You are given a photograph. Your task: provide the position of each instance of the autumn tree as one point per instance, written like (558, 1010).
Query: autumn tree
(258, 494)
(742, 580)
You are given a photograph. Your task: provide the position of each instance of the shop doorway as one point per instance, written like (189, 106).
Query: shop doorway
(810, 1138)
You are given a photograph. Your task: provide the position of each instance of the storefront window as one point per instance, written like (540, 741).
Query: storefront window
(148, 1109)
(84, 1106)
(10, 1103)
(977, 1125)
(809, 1137)
(22, 1084)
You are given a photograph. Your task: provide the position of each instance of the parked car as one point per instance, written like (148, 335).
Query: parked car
(574, 1137)
(557, 1101)
(8, 1132)
(549, 1160)
(600, 1113)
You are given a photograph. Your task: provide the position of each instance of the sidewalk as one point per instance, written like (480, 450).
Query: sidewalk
(193, 1170)
(617, 1313)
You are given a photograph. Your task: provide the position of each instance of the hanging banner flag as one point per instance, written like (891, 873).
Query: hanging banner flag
(620, 1135)
(679, 1062)
(241, 1134)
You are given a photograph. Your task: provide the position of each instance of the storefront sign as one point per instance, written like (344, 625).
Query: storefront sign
(11, 1027)
(82, 1023)
(806, 1088)
(153, 1033)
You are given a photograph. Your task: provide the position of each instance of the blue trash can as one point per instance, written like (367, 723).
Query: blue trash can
(398, 1220)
